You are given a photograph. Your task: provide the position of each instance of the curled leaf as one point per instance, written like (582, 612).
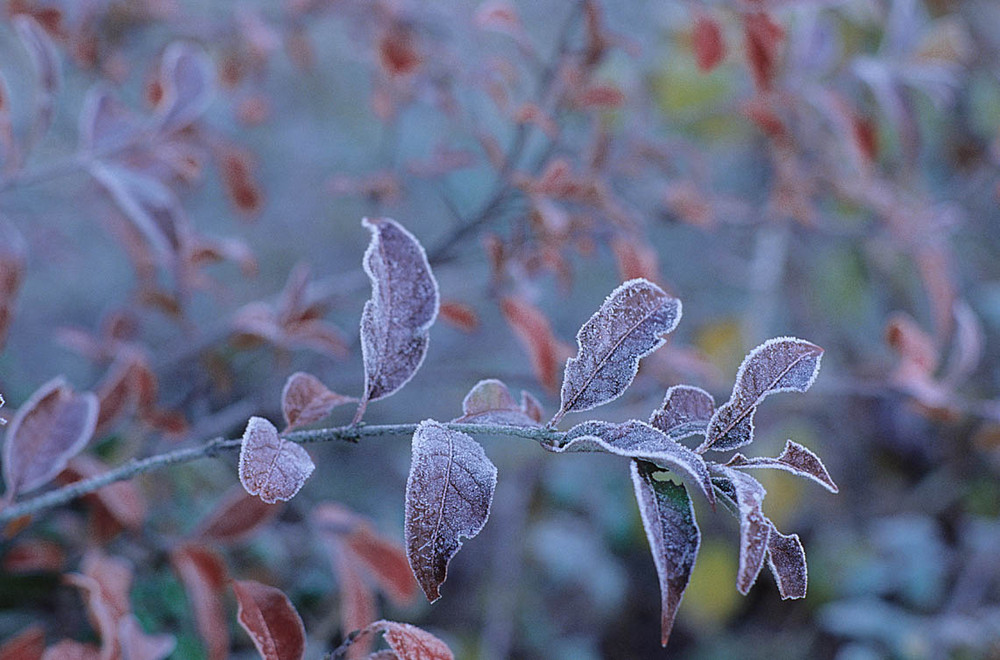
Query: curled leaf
(795, 459)
(490, 402)
(305, 399)
(630, 324)
(782, 364)
(271, 620)
(396, 321)
(787, 560)
(186, 85)
(270, 466)
(406, 642)
(747, 495)
(448, 496)
(674, 538)
(685, 411)
(52, 426)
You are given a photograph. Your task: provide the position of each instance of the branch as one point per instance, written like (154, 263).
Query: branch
(69, 492)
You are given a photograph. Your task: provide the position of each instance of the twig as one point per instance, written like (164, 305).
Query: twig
(59, 496)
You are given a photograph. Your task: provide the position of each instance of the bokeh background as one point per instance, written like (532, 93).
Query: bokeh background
(827, 169)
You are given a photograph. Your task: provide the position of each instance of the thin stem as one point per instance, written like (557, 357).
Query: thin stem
(59, 496)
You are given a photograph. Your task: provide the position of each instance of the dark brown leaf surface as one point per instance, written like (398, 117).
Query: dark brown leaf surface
(795, 459)
(305, 399)
(448, 496)
(237, 516)
(490, 402)
(271, 620)
(270, 466)
(685, 411)
(747, 495)
(203, 575)
(787, 559)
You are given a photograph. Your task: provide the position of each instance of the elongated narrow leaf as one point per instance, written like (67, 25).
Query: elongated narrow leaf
(747, 495)
(305, 399)
(403, 306)
(203, 574)
(787, 560)
(490, 402)
(270, 466)
(271, 620)
(674, 538)
(448, 496)
(685, 411)
(783, 364)
(535, 333)
(632, 322)
(407, 642)
(795, 459)
(52, 426)
(236, 517)
(636, 439)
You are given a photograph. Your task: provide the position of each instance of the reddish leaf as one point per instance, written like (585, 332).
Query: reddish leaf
(106, 582)
(203, 574)
(490, 402)
(305, 400)
(632, 322)
(241, 187)
(600, 97)
(122, 500)
(116, 393)
(636, 259)
(685, 411)
(395, 323)
(32, 556)
(915, 347)
(747, 495)
(357, 599)
(708, 42)
(409, 642)
(674, 538)
(236, 517)
(460, 315)
(397, 50)
(795, 459)
(787, 559)
(51, 427)
(387, 562)
(29, 644)
(270, 466)
(448, 496)
(782, 364)
(271, 621)
(535, 334)
(12, 261)
(762, 40)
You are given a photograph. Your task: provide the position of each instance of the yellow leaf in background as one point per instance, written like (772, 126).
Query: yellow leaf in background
(722, 344)
(711, 597)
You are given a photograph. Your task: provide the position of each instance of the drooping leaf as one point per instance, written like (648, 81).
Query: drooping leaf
(270, 466)
(787, 560)
(636, 439)
(782, 364)
(235, 517)
(685, 411)
(186, 83)
(408, 642)
(52, 426)
(403, 306)
(203, 575)
(632, 322)
(305, 399)
(747, 496)
(795, 459)
(448, 496)
(271, 620)
(490, 402)
(105, 583)
(358, 605)
(29, 644)
(674, 538)
(535, 333)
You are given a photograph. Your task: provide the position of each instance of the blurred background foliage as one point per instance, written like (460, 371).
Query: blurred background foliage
(828, 169)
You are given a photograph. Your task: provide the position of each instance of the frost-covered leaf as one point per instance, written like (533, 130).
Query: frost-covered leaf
(636, 439)
(203, 575)
(48, 71)
(305, 399)
(783, 364)
(747, 495)
(235, 517)
(490, 402)
(51, 427)
(270, 466)
(186, 83)
(674, 538)
(448, 496)
(632, 322)
(685, 411)
(408, 642)
(271, 620)
(795, 459)
(404, 303)
(787, 560)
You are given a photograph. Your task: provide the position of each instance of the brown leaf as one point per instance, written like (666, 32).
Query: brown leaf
(782, 364)
(29, 644)
(357, 599)
(236, 517)
(34, 556)
(270, 466)
(916, 349)
(795, 459)
(490, 402)
(708, 43)
(460, 315)
(304, 400)
(106, 582)
(396, 320)
(601, 96)
(448, 496)
(632, 322)
(271, 621)
(12, 261)
(747, 495)
(409, 642)
(386, 560)
(535, 334)
(787, 559)
(636, 259)
(203, 574)
(685, 411)
(762, 41)
(397, 50)
(674, 538)
(52, 426)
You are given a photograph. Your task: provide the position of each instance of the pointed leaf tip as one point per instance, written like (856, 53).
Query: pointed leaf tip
(305, 399)
(272, 622)
(794, 458)
(787, 560)
(270, 466)
(747, 494)
(685, 411)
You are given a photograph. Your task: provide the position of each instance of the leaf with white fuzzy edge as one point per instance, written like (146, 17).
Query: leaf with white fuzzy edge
(635, 439)
(448, 496)
(787, 560)
(795, 459)
(685, 411)
(746, 494)
(630, 324)
(305, 399)
(782, 364)
(490, 402)
(396, 321)
(270, 466)
(674, 538)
